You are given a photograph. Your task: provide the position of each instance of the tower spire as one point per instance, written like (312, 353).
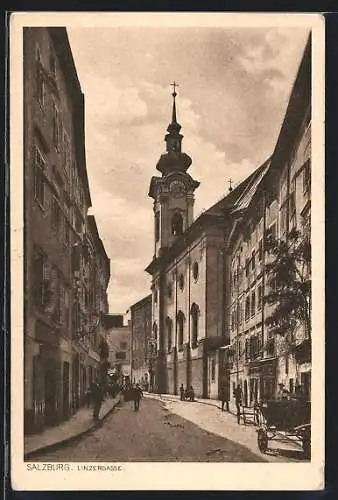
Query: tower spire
(174, 94)
(173, 160)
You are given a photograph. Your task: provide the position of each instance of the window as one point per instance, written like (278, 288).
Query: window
(177, 224)
(181, 282)
(155, 296)
(78, 222)
(260, 250)
(67, 160)
(195, 271)
(169, 333)
(270, 196)
(39, 176)
(247, 350)
(271, 233)
(56, 214)
(260, 297)
(292, 209)
(180, 329)
(194, 327)
(40, 84)
(247, 308)
(283, 218)
(123, 346)
(307, 177)
(38, 277)
(52, 65)
(56, 126)
(213, 370)
(247, 263)
(155, 330)
(157, 226)
(240, 313)
(67, 232)
(253, 260)
(253, 303)
(121, 356)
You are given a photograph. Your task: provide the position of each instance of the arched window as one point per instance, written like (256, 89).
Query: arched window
(177, 224)
(180, 329)
(194, 311)
(181, 282)
(169, 333)
(195, 271)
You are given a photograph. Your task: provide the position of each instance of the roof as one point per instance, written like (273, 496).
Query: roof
(244, 200)
(142, 302)
(299, 102)
(231, 200)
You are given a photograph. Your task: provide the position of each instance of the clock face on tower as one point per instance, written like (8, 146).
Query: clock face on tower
(177, 188)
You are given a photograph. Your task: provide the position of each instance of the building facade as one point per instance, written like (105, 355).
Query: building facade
(58, 331)
(257, 359)
(119, 346)
(142, 349)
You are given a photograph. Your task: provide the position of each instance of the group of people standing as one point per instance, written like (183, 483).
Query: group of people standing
(187, 394)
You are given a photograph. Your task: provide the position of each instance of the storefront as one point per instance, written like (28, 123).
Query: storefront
(262, 379)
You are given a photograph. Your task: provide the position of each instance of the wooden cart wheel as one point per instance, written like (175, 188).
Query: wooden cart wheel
(307, 443)
(263, 440)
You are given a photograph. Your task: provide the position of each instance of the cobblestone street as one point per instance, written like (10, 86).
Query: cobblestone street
(168, 430)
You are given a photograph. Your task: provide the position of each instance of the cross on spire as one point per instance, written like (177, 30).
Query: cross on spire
(174, 85)
(230, 185)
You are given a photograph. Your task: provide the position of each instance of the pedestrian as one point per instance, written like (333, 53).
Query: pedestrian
(238, 402)
(182, 392)
(96, 400)
(88, 396)
(225, 398)
(191, 394)
(137, 395)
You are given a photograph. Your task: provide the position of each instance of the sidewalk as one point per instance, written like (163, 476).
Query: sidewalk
(207, 415)
(78, 425)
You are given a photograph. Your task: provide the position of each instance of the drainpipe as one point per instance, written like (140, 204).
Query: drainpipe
(189, 334)
(176, 350)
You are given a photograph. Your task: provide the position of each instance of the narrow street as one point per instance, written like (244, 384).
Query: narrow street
(154, 434)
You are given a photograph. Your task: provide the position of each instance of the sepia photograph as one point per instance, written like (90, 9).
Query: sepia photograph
(167, 259)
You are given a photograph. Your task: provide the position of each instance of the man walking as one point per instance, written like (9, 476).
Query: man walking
(182, 392)
(97, 400)
(238, 401)
(225, 398)
(137, 395)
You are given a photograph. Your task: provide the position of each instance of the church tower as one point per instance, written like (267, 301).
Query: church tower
(173, 193)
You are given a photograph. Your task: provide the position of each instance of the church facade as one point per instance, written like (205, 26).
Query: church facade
(189, 272)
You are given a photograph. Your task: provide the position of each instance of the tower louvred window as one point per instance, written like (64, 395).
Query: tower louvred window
(177, 224)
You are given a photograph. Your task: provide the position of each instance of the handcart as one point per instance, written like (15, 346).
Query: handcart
(288, 420)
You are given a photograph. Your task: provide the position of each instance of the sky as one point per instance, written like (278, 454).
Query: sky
(234, 86)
